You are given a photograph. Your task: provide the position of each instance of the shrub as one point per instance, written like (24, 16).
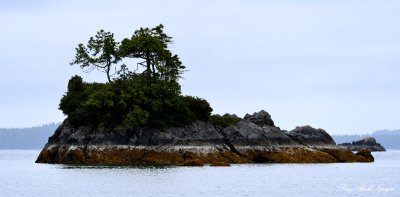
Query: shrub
(224, 121)
(200, 108)
(135, 117)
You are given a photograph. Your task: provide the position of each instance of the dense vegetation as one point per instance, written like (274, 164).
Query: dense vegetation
(132, 98)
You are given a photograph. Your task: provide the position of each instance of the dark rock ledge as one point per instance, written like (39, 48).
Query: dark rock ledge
(253, 140)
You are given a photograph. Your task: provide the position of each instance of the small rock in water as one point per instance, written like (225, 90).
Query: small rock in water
(365, 143)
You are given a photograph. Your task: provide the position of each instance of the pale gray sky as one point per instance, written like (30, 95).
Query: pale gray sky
(330, 64)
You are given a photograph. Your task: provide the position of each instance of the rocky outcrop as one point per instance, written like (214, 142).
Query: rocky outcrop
(197, 134)
(309, 136)
(245, 133)
(365, 143)
(261, 118)
(254, 139)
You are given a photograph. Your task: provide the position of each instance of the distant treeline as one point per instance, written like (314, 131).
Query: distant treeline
(390, 139)
(26, 138)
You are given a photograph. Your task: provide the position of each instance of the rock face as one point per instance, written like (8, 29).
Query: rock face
(307, 135)
(261, 118)
(366, 143)
(197, 134)
(254, 139)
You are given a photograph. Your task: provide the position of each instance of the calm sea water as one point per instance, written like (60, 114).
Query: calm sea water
(20, 176)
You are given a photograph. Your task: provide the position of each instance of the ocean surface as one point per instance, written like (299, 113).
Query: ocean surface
(21, 176)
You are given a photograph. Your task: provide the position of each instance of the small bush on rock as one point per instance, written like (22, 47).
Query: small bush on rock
(224, 121)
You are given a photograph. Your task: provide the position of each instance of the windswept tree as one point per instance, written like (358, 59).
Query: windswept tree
(151, 45)
(100, 53)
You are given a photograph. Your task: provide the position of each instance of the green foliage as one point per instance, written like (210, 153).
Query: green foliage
(152, 98)
(200, 108)
(101, 53)
(151, 45)
(224, 121)
(131, 102)
(135, 117)
(75, 84)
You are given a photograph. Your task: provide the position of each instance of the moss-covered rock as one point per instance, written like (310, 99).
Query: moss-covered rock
(192, 162)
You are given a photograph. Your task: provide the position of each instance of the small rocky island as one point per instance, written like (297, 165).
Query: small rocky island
(365, 143)
(252, 140)
(140, 117)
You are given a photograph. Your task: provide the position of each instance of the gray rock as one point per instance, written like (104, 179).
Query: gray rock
(245, 133)
(255, 132)
(309, 136)
(198, 133)
(368, 142)
(277, 137)
(261, 118)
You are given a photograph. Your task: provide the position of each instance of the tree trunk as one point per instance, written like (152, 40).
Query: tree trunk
(154, 70)
(148, 64)
(108, 71)
(108, 74)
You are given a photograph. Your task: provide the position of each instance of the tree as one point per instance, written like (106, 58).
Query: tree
(151, 45)
(152, 98)
(101, 53)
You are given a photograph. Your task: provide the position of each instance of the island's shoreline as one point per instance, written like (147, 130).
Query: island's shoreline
(153, 155)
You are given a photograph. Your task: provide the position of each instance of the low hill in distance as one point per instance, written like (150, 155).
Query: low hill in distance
(26, 138)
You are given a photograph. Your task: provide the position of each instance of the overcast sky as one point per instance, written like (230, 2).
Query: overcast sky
(329, 64)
